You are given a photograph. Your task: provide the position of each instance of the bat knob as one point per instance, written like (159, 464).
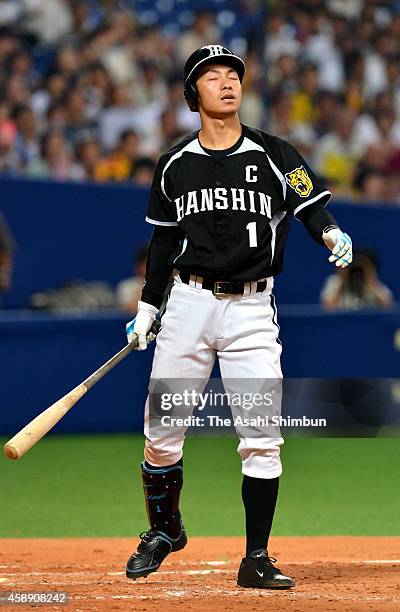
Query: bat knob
(10, 451)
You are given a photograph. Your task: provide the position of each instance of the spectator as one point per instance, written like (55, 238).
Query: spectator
(117, 65)
(381, 126)
(280, 124)
(26, 143)
(55, 87)
(375, 76)
(98, 89)
(280, 37)
(283, 74)
(89, 156)
(20, 63)
(6, 255)
(121, 116)
(370, 185)
(186, 121)
(8, 130)
(393, 70)
(143, 171)
(322, 49)
(304, 100)
(76, 121)
(377, 173)
(391, 194)
(151, 44)
(327, 105)
(83, 22)
(117, 48)
(152, 85)
(170, 130)
(117, 117)
(337, 153)
(128, 145)
(56, 116)
(357, 286)
(55, 158)
(252, 107)
(10, 12)
(128, 291)
(8, 44)
(67, 62)
(118, 165)
(16, 90)
(50, 21)
(203, 31)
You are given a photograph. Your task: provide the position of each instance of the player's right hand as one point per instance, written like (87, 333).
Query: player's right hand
(141, 325)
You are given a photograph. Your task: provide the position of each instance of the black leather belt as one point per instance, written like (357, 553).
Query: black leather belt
(222, 288)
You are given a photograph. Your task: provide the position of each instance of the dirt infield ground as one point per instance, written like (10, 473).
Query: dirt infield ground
(332, 573)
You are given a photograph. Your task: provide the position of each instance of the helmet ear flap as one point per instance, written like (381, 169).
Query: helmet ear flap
(191, 97)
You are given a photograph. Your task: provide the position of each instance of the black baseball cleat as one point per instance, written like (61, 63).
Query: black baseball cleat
(257, 571)
(151, 552)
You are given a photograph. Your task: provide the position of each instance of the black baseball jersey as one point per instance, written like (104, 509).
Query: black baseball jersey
(234, 206)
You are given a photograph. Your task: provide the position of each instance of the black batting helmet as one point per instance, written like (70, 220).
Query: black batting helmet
(209, 54)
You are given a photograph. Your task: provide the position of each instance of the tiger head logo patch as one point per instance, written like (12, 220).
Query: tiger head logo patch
(299, 180)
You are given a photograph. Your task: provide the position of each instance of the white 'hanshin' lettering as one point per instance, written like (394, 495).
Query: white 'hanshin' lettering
(205, 200)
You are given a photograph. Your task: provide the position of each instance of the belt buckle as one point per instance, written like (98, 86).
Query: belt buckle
(217, 290)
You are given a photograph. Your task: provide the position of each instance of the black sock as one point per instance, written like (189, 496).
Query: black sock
(259, 497)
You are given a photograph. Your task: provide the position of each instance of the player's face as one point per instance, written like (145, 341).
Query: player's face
(219, 90)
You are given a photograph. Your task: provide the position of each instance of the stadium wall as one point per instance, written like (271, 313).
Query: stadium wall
(92, 232)
(42, 357)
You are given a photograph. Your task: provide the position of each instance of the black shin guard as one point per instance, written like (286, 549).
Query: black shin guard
(162, 487)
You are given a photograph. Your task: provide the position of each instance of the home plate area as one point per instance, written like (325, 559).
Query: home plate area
(331, 573)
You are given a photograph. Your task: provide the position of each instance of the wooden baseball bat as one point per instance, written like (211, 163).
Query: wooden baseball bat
(36, 429)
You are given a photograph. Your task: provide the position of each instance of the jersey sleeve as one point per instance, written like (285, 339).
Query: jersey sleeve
(300, 185)
(161, 209)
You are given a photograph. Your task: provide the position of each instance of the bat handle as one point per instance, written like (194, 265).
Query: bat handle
(96, 376)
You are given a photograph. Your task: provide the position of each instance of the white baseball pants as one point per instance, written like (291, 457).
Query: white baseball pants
(242, 331)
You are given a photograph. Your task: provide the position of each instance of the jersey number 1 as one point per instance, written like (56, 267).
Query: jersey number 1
(252, 229)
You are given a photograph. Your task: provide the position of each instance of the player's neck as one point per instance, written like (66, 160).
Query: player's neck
(219, 133)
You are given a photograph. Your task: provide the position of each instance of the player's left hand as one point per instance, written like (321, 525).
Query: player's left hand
(341, 246)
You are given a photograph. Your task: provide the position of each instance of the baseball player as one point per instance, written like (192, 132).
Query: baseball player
(221, 203)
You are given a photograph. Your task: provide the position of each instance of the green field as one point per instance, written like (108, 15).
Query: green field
(91, 486)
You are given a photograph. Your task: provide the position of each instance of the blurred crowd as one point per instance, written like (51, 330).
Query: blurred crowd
(92, 90)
